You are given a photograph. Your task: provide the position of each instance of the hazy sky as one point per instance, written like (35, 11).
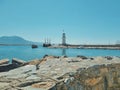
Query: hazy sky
(84, 21)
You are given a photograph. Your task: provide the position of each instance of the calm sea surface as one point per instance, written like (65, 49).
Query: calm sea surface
(27, 53)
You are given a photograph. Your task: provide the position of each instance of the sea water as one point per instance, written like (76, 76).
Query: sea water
(27, 53)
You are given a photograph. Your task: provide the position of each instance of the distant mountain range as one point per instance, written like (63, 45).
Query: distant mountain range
(15, 40)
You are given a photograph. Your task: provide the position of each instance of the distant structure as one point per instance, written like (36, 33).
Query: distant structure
(63, 38)
(47, 43)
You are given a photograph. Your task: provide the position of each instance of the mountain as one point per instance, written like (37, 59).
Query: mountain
(15, 40)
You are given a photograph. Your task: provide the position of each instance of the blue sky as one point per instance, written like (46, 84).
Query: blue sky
(84, 21)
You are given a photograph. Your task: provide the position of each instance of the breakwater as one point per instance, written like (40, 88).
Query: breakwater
(64, 73)
(110, 47)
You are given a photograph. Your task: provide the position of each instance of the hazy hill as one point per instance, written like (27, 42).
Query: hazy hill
(15, 40)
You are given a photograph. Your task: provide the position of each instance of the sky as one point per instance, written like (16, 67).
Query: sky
(83, 21)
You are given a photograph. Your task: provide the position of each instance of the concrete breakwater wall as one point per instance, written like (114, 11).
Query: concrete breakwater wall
(64, 73)
(113, 47)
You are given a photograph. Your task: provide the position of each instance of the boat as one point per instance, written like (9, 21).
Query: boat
(34, 46)
(80, 47)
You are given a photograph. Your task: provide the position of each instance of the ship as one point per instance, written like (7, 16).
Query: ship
(47, 43)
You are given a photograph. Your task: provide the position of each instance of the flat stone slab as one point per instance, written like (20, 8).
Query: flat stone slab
(20, 72)
(40, 86)
(18, 61)
(4, 61)
(3, 84)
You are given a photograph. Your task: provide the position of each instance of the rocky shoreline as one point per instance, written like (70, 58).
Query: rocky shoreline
(61, 73)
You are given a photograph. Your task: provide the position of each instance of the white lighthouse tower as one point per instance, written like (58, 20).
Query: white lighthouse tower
(63, 38)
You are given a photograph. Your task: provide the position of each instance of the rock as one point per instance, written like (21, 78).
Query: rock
(67, 81)
(28, 83)
(34, 62)
(106, 78)
(21, 72)
(109, 57)
(82, 57)
(44, 85)
(2, 84)
(4, 61)
(64, 56)
(58, 74)
(47, 56)
(91, 58)
(18, 61)
(37, 66)
(7, 67)
(73, 61)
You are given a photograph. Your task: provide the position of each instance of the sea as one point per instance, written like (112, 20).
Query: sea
(27, 53)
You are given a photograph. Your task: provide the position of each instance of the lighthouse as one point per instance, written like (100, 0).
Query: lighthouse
(63, 38)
